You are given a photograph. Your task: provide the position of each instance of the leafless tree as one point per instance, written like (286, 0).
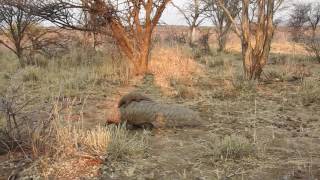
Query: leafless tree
(220, 21)
(312, 42)
(314, 17)
(313, 46)
(254, 55)
(48, 42)
(298, 20)
(304, 22)
(14, 24)
(90, 20)
(22, 33)
(130, 22)
(194, 14)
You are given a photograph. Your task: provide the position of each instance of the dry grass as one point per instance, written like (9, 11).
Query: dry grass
(244, 86)
(31, 74)
(288, 70)
(171, 63)
(73, 140)
(125, 144)
(229, 148)
(65, 149)
(310, 92)
(229, 105)
(185, 92)
(71, 75)
(111, 142)
(53, 132)
(279, 45)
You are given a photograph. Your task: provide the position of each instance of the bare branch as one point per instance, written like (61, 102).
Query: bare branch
(230, 17)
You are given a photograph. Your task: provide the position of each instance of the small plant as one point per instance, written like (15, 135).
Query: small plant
(70, 140)
(244, 86)
(230, 147)
(31, 74)
(124, 144)
(185, 92)
(15, 123)
(216, 63)
(274, 75)
(183, 88)
(309, 92)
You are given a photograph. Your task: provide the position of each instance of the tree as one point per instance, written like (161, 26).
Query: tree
(254, 55)
(298, 19)
(220, 21)
(90, 21)
(193, 13)
(130, 22)
(314, 17)
(14, 26)
(313, 41)
(304, 22)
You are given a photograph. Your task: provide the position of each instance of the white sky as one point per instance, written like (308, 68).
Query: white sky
(172, 16)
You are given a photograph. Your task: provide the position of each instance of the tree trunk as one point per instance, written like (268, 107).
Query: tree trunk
(222, 41)
(141, 63)
(253, 64)
(192, 37)
(142, 56)
(135, 41)
(246, 41)
(19, 53)
(255, 57)
(95, 40)
(247, 60)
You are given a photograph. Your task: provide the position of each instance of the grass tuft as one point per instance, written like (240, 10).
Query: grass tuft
(230, 147)
(310, 92)
(244, 86)
(124, 144)
(31, 74)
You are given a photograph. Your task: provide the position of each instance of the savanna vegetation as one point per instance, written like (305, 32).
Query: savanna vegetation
(254, 80)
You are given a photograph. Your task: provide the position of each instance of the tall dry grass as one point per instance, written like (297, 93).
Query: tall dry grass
(232, 147)
(281, 44)
(48, 131)
(174, 64)
(71, 75)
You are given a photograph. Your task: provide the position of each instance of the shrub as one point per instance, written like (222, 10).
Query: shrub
(243, 85)
(185, 92)
(216, 63)
(312, 45)
(70, 140)
(124, 144)
(309, 92)
(38, 60)
(170, 65)
(230, 147)
(31, 74)
(274, 75)
(57, 137)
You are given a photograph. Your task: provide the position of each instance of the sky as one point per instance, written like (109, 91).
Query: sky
(171, 15)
